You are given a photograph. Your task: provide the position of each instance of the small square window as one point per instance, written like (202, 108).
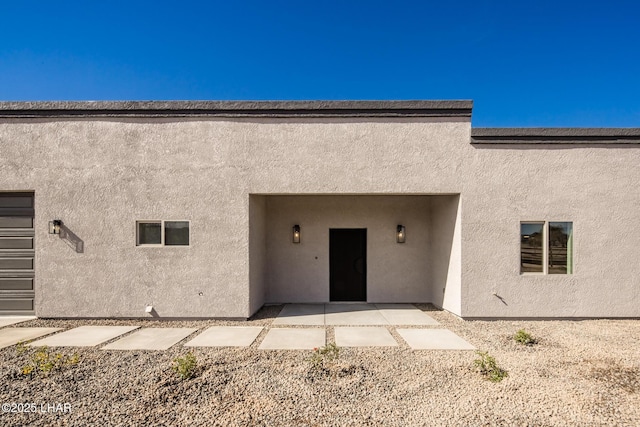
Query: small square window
(162, 233)
(176, 233)
(149, 233)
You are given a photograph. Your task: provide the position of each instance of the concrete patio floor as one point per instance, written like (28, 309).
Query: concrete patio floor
(353, 315)
(301, 314)
(367, 327)
(405, 315)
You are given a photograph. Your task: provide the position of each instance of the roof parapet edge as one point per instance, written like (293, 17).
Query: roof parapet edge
(555, 135)
(445, 108)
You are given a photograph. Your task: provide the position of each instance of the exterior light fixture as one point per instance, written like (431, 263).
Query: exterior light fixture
(296, 233)
(54, 226)
(400, 234)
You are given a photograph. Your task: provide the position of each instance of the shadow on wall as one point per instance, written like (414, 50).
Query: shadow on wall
(71, 239)
(500, 298)
(445, 274)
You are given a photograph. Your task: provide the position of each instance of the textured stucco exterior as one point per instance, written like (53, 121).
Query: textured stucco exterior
(445, 253)
(242, 180)
(395, 272)
(595, 188)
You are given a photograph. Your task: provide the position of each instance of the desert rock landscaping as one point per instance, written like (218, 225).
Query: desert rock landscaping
(583, 373)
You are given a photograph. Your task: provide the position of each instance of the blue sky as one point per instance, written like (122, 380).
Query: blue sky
(534, 63)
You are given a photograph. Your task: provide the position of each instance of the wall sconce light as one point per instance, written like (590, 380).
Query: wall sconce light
(401, 234)
(54, 226)
(296, 233)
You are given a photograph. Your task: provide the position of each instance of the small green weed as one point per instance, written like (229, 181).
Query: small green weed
(43, 361)
(524, 338)
(324, 357)
(185, 366)
(487, 366)
(21, 347)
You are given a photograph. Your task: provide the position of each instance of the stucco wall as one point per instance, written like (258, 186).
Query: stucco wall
(445, 253)
(101, 175)
(257, 252)
(595, 187)
(395, 272)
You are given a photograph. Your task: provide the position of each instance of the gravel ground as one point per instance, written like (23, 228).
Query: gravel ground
(583, 373)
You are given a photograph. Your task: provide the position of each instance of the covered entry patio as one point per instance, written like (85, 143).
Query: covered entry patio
(352, 314)
(295, 256)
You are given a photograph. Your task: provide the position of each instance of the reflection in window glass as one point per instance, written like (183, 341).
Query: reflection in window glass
(176, 233)
(531, 248)
(560, 248)
(149, 233)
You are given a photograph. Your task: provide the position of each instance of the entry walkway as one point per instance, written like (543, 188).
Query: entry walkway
(359, 325)
(353, 314)
(297, 327)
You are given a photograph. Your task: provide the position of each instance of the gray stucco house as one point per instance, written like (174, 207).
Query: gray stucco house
(213, 209)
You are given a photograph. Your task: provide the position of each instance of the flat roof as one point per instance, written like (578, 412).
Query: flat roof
(443, 108)
(454, 109)
(555, 135)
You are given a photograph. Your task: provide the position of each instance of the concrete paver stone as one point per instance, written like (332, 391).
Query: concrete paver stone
(151, 339)
(364, 337)
(293, 339)
(84, 336)
(12, 320)
(12, 336)
(226, 336)
(433, 339)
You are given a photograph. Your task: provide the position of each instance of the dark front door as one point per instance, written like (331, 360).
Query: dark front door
(348, 264)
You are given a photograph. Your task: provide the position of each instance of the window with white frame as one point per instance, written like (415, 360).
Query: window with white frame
(546, 247)
(162, 233)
